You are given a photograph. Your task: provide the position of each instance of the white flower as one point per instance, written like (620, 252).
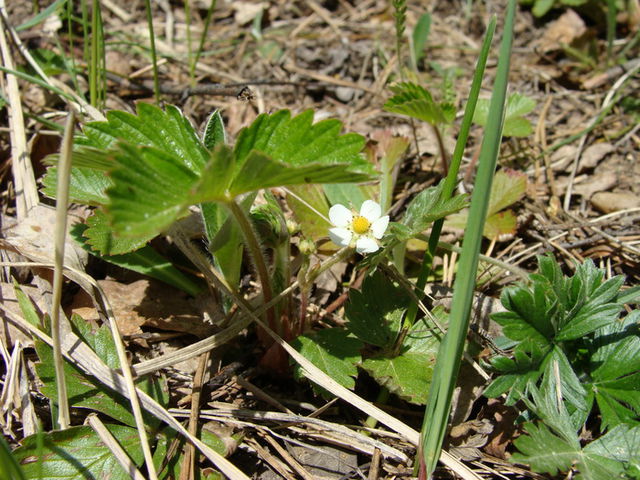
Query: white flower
(360, 231)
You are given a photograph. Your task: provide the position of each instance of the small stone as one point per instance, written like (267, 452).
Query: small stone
(608, 202)
(345, 94)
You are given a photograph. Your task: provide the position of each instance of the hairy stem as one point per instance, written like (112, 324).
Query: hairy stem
(253, 244)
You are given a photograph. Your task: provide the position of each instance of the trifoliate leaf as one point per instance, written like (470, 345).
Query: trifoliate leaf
(415, 101)
(332, 350)
(77, 453)
(152, 188)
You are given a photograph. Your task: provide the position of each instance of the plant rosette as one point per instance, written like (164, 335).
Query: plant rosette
(361, 231)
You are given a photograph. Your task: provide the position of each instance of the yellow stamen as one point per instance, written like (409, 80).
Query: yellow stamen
(360, 224)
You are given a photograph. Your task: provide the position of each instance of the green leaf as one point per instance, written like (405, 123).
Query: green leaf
(298, 141)
(83, 390)
(515, 125)
(427, 207)
(408, 375)
(226, 243)
(260, 171)
(168, 131)
(375, 313)
(616, 374)
(214, 132)
(26, 306)
(41, 16)
(86, 185)
(144, 260)
(150, 191)
(98, 236)
(309, 204)
(415, 101)
(332, 350)
(541, 7)
(348, 194)
(606, 457)
(152, 188)
(77, 453)
(509, 186)
(420, 35)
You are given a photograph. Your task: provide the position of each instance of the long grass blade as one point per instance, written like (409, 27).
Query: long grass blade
(456, 159)
(450, 354)
(154, 57)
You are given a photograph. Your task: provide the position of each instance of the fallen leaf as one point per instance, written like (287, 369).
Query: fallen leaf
(599, 182)
(563, 31)
(147, 303)
(593, 154)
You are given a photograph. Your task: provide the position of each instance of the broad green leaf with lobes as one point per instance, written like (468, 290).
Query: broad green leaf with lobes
(77, 453)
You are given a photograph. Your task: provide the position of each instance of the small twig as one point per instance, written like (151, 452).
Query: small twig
(187, 472)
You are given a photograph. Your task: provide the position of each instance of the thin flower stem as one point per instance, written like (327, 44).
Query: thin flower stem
(255, 251)
(337, 257)
(61, 232)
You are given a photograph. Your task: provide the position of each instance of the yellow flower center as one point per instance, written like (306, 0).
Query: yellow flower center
(360, 225)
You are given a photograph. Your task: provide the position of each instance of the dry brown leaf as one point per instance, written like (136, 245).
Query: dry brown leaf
(593, 154)
(600, 182)
(147, 303)
(563, 31)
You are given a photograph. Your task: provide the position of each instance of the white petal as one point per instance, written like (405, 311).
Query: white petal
(370, 210)
(366, 245)
(379, 226)
(340, 215)
(340, 236)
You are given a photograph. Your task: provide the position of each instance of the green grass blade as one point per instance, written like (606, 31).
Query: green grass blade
(205, 32)
(96, 72)
(42, 16)
(449, 356)
(456, 159)
(154, 57)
